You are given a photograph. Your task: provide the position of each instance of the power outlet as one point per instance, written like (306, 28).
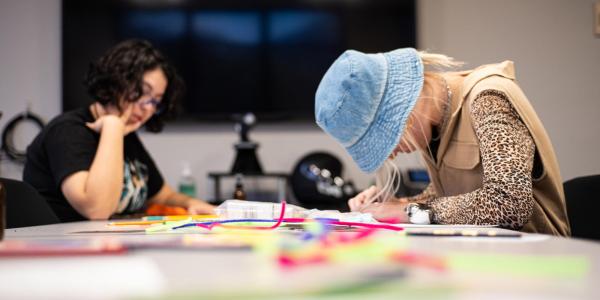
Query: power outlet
(597, 19)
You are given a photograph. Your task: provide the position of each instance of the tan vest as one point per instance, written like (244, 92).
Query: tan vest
(457, 169)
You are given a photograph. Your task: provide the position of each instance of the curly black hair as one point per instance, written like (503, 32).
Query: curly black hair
(118, 74)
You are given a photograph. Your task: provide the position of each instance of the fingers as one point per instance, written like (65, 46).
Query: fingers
(361, 199)
(371, 191)
(100, 109)
(200, 208)
(111, 121)
(132, 127)
(373, 208)
(125, 118)
(192, 210)
(389, 212)
(95, 126)
(354, 204)
(402, 200)
(127, 112)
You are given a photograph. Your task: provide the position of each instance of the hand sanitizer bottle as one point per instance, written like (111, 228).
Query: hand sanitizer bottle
(187, 183)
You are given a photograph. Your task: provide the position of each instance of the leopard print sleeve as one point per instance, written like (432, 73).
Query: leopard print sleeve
(507, 153)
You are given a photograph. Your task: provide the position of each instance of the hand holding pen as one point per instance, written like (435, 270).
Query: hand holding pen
(369, 201)
(363, 198)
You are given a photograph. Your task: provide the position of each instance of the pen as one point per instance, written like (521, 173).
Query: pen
(149, 220)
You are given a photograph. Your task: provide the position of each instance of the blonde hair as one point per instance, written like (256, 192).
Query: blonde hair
(388, 177)
(438, 61)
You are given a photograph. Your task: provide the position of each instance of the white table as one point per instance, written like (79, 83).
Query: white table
(211, 273)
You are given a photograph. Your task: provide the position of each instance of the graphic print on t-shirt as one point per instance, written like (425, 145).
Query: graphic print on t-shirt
(135, 187)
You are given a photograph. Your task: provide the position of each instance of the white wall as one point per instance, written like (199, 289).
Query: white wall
(543, 37)
(29, 66)
(557, 59)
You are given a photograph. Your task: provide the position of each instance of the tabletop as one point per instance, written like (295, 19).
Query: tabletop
(530, 266)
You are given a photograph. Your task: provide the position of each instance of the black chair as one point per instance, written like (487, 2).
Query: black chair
(583, 204)
(25, 206)
(2, 215)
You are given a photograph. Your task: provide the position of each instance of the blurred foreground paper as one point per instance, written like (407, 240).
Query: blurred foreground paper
(80, 278)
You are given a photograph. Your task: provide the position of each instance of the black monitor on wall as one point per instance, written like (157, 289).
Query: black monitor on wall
(266, 57)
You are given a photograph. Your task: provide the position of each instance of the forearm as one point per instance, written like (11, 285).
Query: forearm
(489, 205)
(167, 196)
(104, 183)
(507, 152)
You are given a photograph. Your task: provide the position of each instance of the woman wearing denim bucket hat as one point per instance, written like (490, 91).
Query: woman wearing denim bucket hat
(488, 156)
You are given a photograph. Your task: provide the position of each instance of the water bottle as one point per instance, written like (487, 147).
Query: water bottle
(187, 183)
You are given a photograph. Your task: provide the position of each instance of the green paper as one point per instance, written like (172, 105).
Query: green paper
(559, 266)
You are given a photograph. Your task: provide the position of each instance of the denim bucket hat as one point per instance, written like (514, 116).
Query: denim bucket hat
(364, 101)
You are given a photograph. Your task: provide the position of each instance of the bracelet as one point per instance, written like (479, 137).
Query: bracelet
(418, 213)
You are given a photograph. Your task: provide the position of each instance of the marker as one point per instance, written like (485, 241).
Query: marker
(126, 223)
(179, 217)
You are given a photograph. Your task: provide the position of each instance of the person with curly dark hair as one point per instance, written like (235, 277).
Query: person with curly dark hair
(89, 163)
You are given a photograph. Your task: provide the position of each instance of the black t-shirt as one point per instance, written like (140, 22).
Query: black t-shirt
(66, 145)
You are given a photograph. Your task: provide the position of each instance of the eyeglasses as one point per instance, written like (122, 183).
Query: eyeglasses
(156, 105)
